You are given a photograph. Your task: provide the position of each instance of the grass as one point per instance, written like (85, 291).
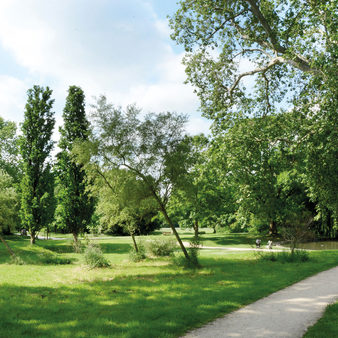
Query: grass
(152, 298)
(326, 326)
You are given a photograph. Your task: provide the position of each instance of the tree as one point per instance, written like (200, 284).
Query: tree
(75, 207)
(262, 165)
(152, 149)
(9, 149)
(200, 197)
(8, 206)
(123, 200)
(35, 148)
(290, 48)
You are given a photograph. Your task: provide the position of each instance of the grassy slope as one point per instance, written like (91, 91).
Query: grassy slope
(149, 299)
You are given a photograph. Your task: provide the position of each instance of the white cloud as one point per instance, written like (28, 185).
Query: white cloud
(198, 125)
(12, 98)
(118, 48)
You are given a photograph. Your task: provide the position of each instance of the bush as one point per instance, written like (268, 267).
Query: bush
(16, 260)
(162, 247)
(77, 246)
(285, 256)
(94, 257)
(193, 252)
(137, 256)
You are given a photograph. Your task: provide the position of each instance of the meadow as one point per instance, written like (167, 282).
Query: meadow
(54, 294)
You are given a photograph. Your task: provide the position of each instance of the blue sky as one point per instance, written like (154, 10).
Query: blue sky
(120, 48)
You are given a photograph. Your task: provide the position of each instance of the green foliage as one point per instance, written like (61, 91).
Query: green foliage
(9, 150)
(285, 256)
(124, 205)
(9, 201)
(94, 258)
(290, 50)
(139, 255)
(75, 207)
(16, 260)
(160, 247)
(201, 196)
(35, 146)
(152, 150)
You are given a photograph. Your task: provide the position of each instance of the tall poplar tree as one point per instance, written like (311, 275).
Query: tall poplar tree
(35, 147)
(75, 206)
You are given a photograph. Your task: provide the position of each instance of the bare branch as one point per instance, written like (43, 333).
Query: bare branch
(272, 63)
(266, 93)
(251, 51)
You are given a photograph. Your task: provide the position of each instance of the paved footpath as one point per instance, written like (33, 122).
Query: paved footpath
(286, 313)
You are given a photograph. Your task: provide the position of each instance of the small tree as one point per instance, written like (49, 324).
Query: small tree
(75, 207)
(152, 149)
(298, 231)
(35, 147)
(122, 198)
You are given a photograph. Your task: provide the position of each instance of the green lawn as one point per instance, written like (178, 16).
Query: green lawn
(327, 326)
(153, 298)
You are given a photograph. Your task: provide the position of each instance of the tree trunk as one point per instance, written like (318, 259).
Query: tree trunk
(167, 218)
(75, 237)
(134, 241)
(196, 228)
(32, 234)
(7, 247)
(273, 228)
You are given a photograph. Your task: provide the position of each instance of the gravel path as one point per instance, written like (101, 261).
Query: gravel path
(286, 313)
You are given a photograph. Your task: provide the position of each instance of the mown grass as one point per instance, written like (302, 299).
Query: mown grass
(153, 298)
(327, 326)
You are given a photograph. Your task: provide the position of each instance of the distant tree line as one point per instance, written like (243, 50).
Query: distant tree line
(270, 163)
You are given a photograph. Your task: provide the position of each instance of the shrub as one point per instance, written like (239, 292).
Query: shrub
(139, 255)
(285, 256)
(193, 251)
(16, 260)
(77, 246)
(162, 247)
(94, 257)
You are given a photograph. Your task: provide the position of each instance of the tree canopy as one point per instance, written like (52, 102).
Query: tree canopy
(152, 148)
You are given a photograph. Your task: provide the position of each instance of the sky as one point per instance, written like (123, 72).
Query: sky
(118, 48)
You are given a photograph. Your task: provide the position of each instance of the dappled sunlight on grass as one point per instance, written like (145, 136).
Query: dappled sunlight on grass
(152, 298)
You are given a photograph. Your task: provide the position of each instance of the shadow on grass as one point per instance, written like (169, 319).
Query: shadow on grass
(165, 304)
(228, 239)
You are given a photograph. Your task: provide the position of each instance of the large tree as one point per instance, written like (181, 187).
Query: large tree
(255, 58)
(152, 148)
(35, 147)
(261, 164)
(75, 206)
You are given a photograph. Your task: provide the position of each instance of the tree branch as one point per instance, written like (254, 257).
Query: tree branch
(272, 63)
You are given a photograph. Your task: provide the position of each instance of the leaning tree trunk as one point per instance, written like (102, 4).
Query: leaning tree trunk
(134, 241)
(167, 218)
(7, 247)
